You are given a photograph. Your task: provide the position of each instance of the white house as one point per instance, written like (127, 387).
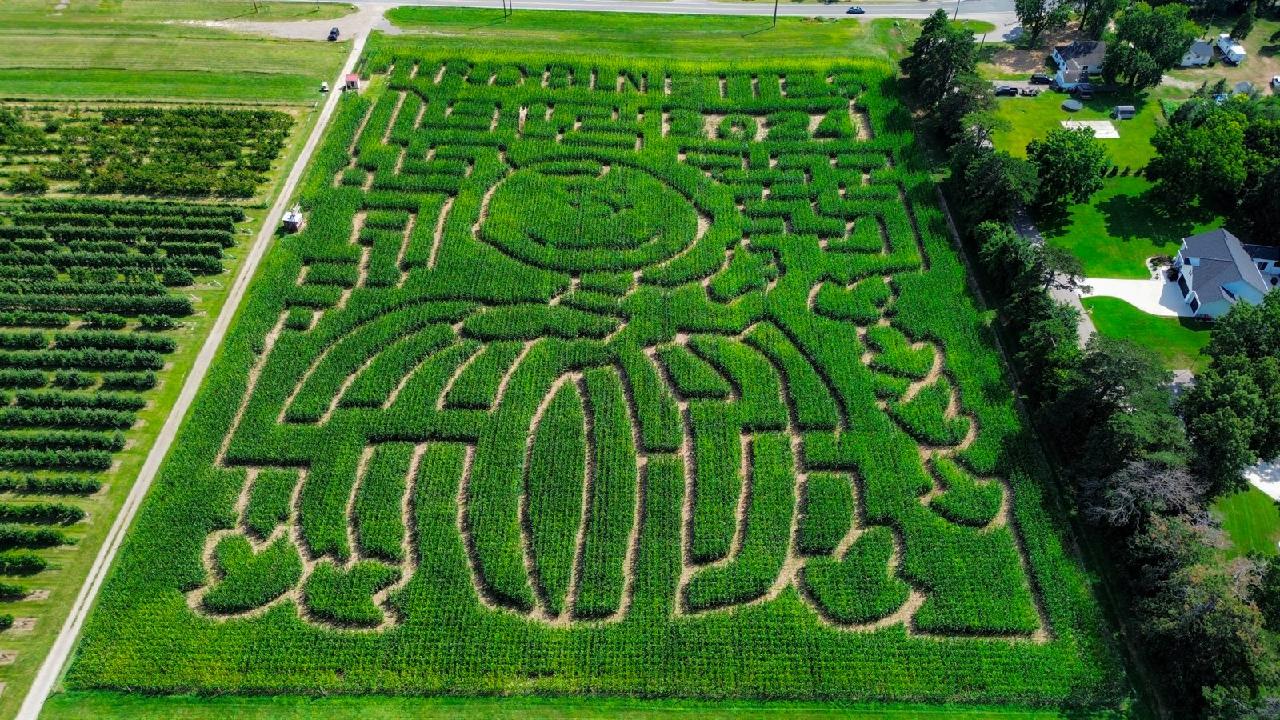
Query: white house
(1077, 61)
(1215, 271)
(1232, 51)
(1198, 55)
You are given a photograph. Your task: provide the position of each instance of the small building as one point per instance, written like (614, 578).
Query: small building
(1077, 61)
(351, 82)
(1214, 271)
(1198, 55)
(1232, 51)
(293, 219)
(1124, 112)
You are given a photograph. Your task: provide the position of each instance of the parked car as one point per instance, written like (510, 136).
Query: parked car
(855, 10)
(1083, 91)
(1029, 92)
(1275, 83)
(333, 34)
(1006, 90)
(324, 87)
(1041, 79)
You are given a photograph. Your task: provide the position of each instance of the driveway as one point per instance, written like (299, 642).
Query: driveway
(1156, 296)
(1266, 477)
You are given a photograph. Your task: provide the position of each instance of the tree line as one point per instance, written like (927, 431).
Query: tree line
(1140, 467)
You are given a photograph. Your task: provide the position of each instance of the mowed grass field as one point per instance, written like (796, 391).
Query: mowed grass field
(684, 37)
(158, 50)
(1177, 341)
(1252, 522)
(546, 327)
(1122, 226)
(1125, 222)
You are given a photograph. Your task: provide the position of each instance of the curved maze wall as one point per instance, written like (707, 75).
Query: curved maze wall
(650, 361)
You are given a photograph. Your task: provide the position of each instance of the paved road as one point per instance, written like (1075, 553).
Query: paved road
(51, 670)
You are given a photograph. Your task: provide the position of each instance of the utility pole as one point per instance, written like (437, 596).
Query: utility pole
(775, 13)
(957, 12)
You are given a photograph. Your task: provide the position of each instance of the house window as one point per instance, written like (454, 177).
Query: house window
(1182, 285)
(1262, 266)
(1195, 304)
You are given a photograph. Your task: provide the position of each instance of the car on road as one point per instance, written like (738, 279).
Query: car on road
(1006, 90)
(855, 10)
(333, 34)
(1041, 79)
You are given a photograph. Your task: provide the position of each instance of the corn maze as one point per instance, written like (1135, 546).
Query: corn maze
(588, 379)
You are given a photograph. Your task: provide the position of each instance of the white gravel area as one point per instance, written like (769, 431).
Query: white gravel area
(1156, 296)
(1102, 129)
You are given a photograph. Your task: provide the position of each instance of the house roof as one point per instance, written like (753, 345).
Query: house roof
(1201, 47)
(1223, 261)
(1262, 252)
(1079, 55)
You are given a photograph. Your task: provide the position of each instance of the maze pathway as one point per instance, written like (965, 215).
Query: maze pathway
(564, 296)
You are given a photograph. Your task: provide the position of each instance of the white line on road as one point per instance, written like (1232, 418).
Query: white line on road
(51, 670)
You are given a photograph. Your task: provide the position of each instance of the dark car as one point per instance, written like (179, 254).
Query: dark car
(333, 34)
(855, 10)
(1007, 90)
(1041, 79)
(1084, 91)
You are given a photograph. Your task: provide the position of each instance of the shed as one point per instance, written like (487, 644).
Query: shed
(293, 219)
(1124, 112)
(351, 82)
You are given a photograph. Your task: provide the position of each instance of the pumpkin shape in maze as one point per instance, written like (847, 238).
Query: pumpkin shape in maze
(652, 344)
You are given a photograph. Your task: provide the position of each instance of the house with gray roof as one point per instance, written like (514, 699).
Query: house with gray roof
(1077, 61)
(1214, 271)
(1198, 55)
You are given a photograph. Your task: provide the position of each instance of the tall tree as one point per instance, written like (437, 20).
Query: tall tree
(1095, 15)
(943, 52)
(993, 181)
(968, 95)
(1208, 146)
(1070, 164)
(1244, 23)
(1147, 43)
(1037, 16)
(1233, 410)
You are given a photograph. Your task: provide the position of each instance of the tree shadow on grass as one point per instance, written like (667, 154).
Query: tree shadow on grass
(1148, 216)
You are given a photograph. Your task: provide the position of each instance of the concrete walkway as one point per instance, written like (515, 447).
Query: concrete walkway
(1155, 296)
(56, 660)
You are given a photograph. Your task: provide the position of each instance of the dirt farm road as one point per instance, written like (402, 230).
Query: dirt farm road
(51, 670)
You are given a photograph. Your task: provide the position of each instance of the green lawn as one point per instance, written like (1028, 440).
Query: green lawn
(107, 706)
(1120, 227)
(1252, 521)
(1176, 340)
(1033, 117)
(148, 50)
(689, 37)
